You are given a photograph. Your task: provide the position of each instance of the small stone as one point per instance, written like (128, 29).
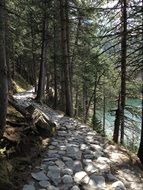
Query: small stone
(103, 168)
(53, 155)
(40, 176)
(60, 164)
(90, 168)
(54, 143)
(79, 176)
(49, 159)
(70, 164)
(67, 179)
(51, 147)
(67, 171)
(96, 147)
(51, 187)
(54, 174)
(66, 159)
(28, 187)
(77, 166)
(62, 133)
(111, 178)
(74, 152)
(62, 147)
(61, 152)
(44, 184)
(89, 156)
(75, 187)
(98, 181)
(118, 185)
(87, 161)
(103, 160)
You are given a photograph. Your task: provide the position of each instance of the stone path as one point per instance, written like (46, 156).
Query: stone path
(78, 158)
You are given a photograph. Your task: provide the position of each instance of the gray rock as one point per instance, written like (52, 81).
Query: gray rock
(67, 171)
(70, 164)
(52, 152)
(51, 187)
(62, 133)
(66, 158)
(49, 159)
(62, 152)
(75, 187)
(29, 187)
(54, 143)
(54, 174)
(74, 152)
(67, 179)
(77, 167)
(111, 178)
(51, 147)
(89, 156)
(118, 185)
(53, 155)
(97, 181)
(44, 184)
(59, 163)
(40, 176)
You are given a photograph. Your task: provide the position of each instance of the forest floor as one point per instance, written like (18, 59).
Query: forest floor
(75, 157)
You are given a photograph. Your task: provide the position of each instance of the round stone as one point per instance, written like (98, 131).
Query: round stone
(67, 179)
(67, 171)
(79, 176)
(75, 187)
(118, 185)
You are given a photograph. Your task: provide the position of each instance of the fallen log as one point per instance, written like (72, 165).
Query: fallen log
(40, 120)
(18, 107)
(35, 118)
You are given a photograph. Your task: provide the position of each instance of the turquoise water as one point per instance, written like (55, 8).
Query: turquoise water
(132, 124)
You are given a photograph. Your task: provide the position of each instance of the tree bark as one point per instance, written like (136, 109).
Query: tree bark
(3, 71)
(65, 56)
(140, 150)
(94, 103)
(123, 65)
(44, 54)
(117, 122)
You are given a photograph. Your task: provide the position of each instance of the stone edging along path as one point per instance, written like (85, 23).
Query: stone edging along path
(79, 158)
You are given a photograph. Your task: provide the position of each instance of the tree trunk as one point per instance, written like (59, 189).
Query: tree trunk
(33, 56)
(7, 42)
(104, 110)
(55, 67)
(84, 100)
(123, 65)
(117, 122)
(140, 151)
(94, 103)
(65, 56)
(76, 103)
(44, 54)
(3, 71)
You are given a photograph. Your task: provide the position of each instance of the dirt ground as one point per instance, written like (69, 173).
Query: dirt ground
(20, 151)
